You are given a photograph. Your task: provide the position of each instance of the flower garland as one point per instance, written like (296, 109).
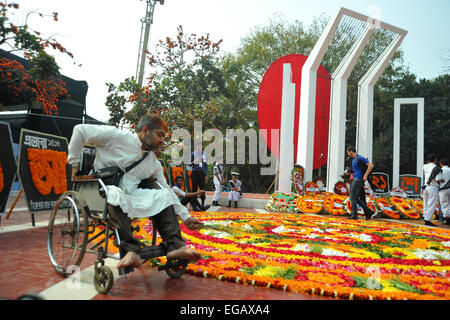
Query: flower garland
(297, 181)
(386, 208)
(405, 208)
(320, 183)
(311, 189)
(339, 205)
(341, 188)
(48, 170)
(310, 205)
(320, 255)
(334, 205)
(282, 202)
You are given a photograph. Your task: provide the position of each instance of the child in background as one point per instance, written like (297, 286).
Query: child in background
(235, 190)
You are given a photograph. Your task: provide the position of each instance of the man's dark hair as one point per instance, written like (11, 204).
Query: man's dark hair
(431, 157)
(152, 122)
(178, 177)
(351, 148)
(444, 161)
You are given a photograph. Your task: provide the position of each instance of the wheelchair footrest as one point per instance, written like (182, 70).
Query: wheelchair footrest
(152, 252)
(126, 270)
(172, 264)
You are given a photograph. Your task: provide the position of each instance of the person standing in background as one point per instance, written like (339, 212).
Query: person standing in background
(199, 171)
(431, 193)
(361, 169)
(218, 180)
(444, 190)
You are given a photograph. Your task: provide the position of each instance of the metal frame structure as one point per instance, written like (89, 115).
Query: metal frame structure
(420, 102)
(143, 42)
(336, 153)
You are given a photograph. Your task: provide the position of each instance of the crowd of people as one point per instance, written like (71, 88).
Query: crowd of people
(199, 178)
(436, 187)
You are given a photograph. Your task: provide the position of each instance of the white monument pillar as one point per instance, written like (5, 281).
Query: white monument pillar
(305, 146)
(364, 127)
(338, 108)
(287, 131)
(420, 137)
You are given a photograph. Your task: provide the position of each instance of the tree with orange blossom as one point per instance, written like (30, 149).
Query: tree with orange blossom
(41, 82)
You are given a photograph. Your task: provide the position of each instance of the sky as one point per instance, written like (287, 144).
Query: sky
(104, 35)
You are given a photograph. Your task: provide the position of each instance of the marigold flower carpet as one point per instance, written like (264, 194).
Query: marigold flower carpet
(320, 255)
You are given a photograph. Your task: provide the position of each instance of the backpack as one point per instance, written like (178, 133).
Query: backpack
(363, 166)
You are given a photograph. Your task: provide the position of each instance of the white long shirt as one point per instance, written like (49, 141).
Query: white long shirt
(180, 193)
(444, 175)
(427, 169)
(121, 148)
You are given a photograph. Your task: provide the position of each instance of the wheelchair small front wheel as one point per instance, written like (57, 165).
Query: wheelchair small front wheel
(103, 279)
(175, 268)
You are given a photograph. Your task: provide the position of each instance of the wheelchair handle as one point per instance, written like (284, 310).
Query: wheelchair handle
(106, 197)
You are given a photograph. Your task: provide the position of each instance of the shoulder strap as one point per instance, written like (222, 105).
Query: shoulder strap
(134, 164)
(436, 170)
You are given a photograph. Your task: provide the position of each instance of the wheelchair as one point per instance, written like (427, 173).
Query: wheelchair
(81, 223)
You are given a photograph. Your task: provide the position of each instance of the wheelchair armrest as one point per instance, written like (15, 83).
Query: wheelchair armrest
(92, 177)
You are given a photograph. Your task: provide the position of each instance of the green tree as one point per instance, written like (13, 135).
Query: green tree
(183, 84)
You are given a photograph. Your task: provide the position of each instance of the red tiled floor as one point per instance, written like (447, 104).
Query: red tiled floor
(147, 283)
(25, 266)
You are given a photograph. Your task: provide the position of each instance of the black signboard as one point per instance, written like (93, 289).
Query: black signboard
(379, 182)
(43, 169)
(8, 167)
(411, 184)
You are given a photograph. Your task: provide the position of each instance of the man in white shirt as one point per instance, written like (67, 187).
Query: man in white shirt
(218, 179)
(188, 197)
(430, 195)
(444, 191)
(116, 147)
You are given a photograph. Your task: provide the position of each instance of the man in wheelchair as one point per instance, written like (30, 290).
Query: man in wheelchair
(129, 199)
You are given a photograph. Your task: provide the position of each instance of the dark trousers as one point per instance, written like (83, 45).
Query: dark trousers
(198, 181)
(165, 222)
(358, 196)
(193, 201)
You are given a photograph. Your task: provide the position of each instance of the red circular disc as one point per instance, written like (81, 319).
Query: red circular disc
(269, 104)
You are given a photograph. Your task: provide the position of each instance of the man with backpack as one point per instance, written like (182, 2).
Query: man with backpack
(444, 190)
(362, 167)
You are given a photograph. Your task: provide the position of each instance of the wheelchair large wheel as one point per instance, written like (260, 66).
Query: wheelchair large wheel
(67, 233)
(175, 268)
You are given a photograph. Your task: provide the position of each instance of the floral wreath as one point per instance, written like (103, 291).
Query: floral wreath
(334, 205)
(311, 189)
(387, 209)
(282, 202)
(341, 188)
(405, 208)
